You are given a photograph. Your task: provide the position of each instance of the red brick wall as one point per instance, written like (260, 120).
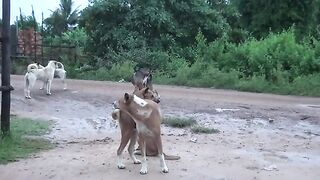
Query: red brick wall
(26, 42)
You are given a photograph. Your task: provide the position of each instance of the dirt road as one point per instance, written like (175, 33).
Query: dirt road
(262, 136)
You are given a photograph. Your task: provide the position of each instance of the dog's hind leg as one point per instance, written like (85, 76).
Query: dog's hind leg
(163, 165)
(29, 83)
(63, 78)
(43, 85)
(49, 87)
(26, 84)
(124, 141)
(133, 140)
(144, 163)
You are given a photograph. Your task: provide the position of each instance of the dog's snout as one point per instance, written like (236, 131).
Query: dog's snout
(115, 105)
(158, 100)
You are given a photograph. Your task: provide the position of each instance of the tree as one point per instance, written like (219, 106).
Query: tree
(26, 22)
(262, 16)
(229, 11)
(115, 26)
(62, 18)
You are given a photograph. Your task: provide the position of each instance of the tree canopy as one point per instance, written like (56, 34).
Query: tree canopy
(263, 16)
(62, 18)
(117, 25)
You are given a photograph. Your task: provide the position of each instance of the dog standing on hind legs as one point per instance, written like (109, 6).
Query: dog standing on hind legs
(33, 74)
(147, 116)
(129, 132)
(128, 128)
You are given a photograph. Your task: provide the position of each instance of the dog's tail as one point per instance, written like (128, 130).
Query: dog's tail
(166, 157)
(171, 157)
(31, 67)
(116, 114)
(60, 64)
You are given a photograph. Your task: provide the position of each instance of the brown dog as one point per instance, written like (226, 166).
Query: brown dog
(147, 116)
(129, 132)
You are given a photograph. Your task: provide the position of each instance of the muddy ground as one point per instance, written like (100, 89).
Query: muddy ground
(262, 136)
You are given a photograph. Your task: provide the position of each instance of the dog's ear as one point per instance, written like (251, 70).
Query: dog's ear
(126, 97)
(146, 90)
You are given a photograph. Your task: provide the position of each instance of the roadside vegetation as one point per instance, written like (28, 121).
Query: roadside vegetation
(25, 139)
(179, 122)
(247, 45)
(183, 122)
(204, 130)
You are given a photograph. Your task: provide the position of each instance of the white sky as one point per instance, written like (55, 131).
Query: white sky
(39, 6)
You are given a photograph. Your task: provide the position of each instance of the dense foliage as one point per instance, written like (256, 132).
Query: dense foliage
(253, 45)
(262, 16)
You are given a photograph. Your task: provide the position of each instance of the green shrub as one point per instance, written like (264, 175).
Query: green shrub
(175, 64)
(306, 85)
(179, 122)
(212, 77)
(121, 71)
(205, 130)
(254, 84)
(275, 64)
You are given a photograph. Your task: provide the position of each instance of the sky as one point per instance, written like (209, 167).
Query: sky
(39, 6)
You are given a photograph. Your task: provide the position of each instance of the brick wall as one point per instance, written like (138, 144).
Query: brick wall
(27, 40)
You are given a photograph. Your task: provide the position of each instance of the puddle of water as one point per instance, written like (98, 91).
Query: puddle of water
(225, 109)
(310, 105)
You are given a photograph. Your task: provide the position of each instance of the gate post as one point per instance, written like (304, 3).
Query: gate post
(5, 72)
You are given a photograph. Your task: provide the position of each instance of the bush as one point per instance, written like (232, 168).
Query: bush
(275, 64)
(179, 122)
(205, 130)
(306, 85)
(121, 71)
(254, 84)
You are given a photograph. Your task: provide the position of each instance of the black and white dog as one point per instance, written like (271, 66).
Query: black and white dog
(142, 78)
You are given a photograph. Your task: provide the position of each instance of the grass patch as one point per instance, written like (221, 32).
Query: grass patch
(24, 140)
(179, 122)
(205, 130)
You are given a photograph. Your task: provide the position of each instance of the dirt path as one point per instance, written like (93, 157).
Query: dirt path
(262, 136)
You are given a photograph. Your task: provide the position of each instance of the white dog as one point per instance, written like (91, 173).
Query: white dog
(58, 73)
(61, 74)
(34, 73)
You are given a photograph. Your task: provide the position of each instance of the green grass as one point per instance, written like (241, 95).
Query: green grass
(204, 130)
(24, 140)
(179, 122)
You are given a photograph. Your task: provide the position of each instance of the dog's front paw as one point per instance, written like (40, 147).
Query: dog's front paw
(121, 166)
(143, 171)
(137, 152)
(165, 170)
(28, 97)
(137, 161)
(41, 88)
(48, 94)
